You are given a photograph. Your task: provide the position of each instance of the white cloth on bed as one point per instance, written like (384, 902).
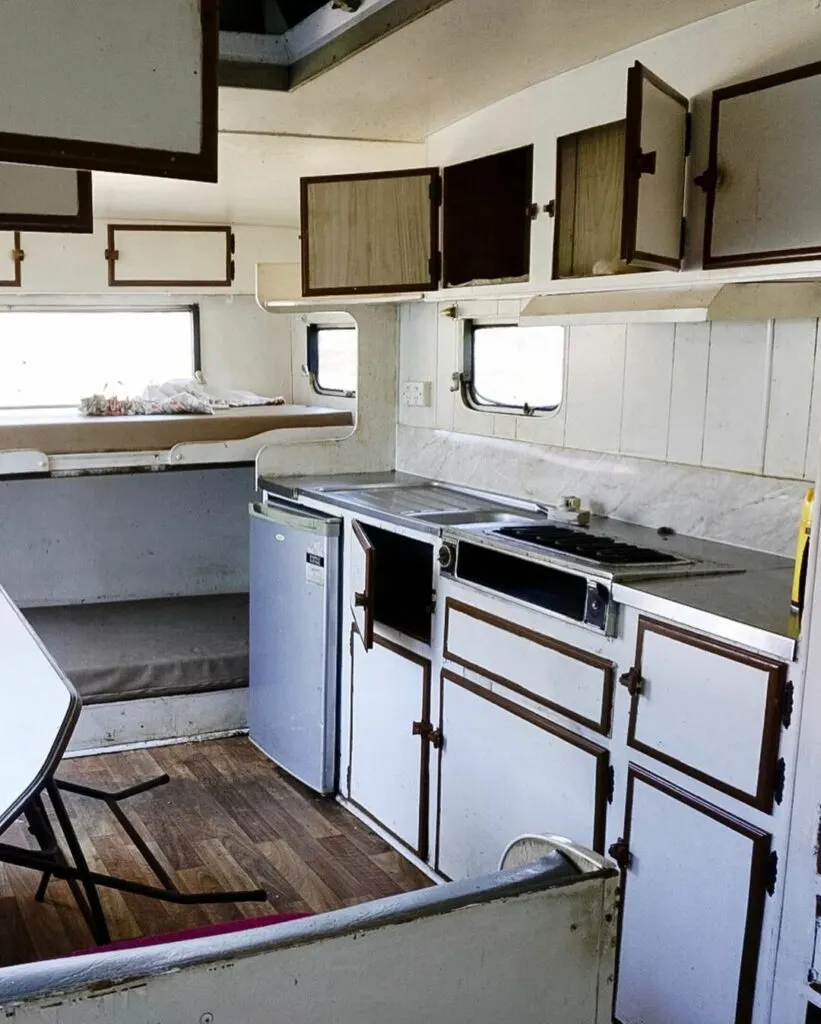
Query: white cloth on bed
(191, 396)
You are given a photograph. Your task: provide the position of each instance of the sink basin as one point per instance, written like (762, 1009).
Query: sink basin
(473, 518)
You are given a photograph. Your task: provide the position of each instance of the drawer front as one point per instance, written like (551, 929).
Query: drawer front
(707, 709)
(566, 679)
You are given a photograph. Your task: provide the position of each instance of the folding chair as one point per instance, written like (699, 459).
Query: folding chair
(39, 709)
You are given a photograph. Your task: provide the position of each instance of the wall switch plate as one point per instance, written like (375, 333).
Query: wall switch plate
(417, 392)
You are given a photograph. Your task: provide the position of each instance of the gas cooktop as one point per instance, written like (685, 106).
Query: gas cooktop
(591, 548)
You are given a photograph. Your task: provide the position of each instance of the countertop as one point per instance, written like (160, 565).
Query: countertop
(750, 607)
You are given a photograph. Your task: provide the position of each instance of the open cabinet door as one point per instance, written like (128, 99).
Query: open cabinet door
(45, 199)
(363, 569)
(655, 152)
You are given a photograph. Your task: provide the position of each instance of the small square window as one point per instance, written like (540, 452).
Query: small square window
(332, 360)
(513, 369)
(51, 358)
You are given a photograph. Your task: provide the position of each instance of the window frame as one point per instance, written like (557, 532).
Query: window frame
(467, 384)
(313, 358)
(196, 339)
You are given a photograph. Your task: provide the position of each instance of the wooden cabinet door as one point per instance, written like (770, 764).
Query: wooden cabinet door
(45, 199)
(762, 175)
(707, 709)
(486, 218)
(694, 889)
(390, 739)
(505, 771)
(10, 260)
(655, 154)
(364, 233)
(111, 85)
(362, 567)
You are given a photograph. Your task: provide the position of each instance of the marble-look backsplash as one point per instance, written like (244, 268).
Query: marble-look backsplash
(735, 508)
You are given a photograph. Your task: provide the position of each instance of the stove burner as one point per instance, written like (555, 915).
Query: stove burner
(589, 546)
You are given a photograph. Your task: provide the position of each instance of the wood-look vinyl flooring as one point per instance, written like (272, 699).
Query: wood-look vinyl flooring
(229, 818)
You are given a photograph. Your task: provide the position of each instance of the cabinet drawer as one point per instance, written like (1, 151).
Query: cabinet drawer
(555, 674)
(707, 709)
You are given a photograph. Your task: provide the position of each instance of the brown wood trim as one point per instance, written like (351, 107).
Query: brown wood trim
(81, 222)
(762, 798)
(112, 256)
(422, 842)
(729, 92)
(637, 75)
(601, 755)
(370, 582)
(602, 726)
(17, 262)
(761, 844)
(104, 156)
(432, 283)
(439, 775)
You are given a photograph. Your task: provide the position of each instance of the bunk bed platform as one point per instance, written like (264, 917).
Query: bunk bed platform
(155, 648)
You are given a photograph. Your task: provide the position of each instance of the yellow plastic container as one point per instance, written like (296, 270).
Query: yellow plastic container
(802, 550)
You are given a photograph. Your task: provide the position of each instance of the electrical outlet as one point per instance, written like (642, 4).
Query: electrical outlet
(417, 392)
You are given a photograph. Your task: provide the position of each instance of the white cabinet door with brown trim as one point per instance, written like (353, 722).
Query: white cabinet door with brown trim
(505, 771)
(390, 737)
(170, 255)
(11, 258)
(695, 885)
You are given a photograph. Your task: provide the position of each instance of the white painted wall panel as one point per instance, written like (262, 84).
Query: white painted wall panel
(688, 395)
(811, 464)
(108, 71)
(790, 398)
(594, 387)
(737, 390)
(447, 363)
(118, 538)
(418, 325)
(648, 370)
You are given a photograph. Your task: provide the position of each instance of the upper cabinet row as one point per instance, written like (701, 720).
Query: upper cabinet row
(623, 190)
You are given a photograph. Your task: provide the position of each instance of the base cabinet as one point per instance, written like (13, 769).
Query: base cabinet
(390, 739)
(693, 894)
(505, 771)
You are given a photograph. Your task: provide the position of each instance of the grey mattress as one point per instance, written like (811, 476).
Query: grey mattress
(148, 648)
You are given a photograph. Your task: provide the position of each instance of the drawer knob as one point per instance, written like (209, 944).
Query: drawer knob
(633, 682)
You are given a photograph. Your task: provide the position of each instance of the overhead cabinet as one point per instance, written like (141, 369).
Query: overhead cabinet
(45, 199)
(142, 255)
(620, 187)
(11, 259)
(110, 85)
(761, 180)
(372, 233)
(364, 233)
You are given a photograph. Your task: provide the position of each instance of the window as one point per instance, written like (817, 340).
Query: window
(332, 360)
(513, 369)
(51, 358)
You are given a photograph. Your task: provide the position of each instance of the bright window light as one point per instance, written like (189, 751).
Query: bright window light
(333, 359)
(519, 369)
(53, 358)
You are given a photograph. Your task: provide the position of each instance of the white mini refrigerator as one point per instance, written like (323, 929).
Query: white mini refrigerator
(294, 640)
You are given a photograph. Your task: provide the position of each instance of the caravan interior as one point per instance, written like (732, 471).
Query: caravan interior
(410, 416)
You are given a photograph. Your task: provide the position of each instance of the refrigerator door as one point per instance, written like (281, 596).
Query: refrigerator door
(294, 642)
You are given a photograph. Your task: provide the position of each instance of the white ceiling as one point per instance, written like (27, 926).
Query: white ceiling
(456, 59)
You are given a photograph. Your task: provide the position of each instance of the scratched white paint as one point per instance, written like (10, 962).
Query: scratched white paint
(544, 956)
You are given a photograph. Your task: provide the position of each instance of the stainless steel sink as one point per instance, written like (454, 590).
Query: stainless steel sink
(477, 518)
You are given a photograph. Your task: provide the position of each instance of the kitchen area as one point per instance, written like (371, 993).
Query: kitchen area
(510, 668)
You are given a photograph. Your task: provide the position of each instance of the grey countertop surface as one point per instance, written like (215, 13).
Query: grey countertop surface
(750, 607)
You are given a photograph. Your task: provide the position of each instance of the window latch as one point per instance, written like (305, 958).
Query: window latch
(457, 380)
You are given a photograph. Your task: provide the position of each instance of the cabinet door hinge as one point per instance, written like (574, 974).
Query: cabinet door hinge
(778, 781)
(232, 243)
(688, 133)
(682, 240)
(435, 190)
(435, 266)
(771, 873)
(611, 783)
(787, 701)
(633, 682)
(620, 853)
(233, 268)
(550, 208)
(426, 731)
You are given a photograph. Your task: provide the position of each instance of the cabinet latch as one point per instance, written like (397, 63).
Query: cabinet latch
(708, 180)
(550, 208)
(633, 682)
(647, 163)
(620, 853)
(426, 731)
(533, 211)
